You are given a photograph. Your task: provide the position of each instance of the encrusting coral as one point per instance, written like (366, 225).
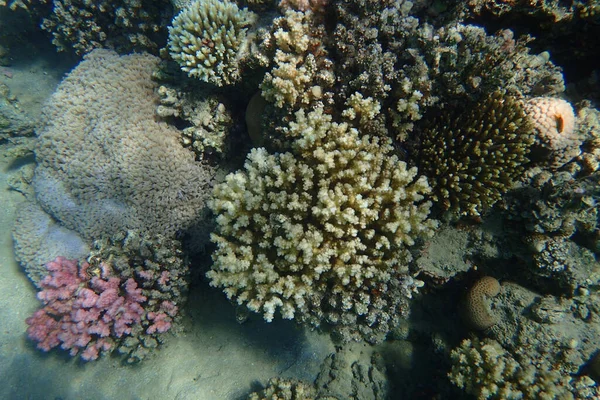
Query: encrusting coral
(206, 39)
(553, 119)
(473, 157)
(105, 163)
(321, 234)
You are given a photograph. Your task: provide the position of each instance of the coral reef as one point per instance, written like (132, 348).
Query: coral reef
(476, 307)
(475, 156)
(209, 120)
(207, 37)
(556, 139)
(105, 164)
(322, 234)
(486, 370)
(537, 348)
(13, 120)
(285, 389)
(410, 66)
(83, 26)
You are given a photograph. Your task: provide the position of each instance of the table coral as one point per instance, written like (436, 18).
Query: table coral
(321, 234)
(206, 38)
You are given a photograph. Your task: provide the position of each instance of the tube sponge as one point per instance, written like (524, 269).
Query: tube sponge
(206, 38)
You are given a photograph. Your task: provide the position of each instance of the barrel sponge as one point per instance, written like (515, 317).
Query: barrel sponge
(473, 157)
(554, 127)
(105, 163)
(206, 38)
(476, 307)
(336, 215)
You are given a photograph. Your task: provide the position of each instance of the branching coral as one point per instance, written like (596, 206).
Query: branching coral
(472, 158)
(301, 73)
(210, 121)
(206, 39)
(321, 234)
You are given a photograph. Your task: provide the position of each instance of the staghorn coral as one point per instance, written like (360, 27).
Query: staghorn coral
(472, 158)
(553, 120)
(302, 73)
(476, 308)
(105, 164)
(206, 39)
(321, 234)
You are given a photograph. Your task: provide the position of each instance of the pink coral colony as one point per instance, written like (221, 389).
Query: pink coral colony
(85, 309)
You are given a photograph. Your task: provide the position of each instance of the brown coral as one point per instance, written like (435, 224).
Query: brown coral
(476, 310)
(553, 119)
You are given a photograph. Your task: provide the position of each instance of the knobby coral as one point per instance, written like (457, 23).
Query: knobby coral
(322, 233)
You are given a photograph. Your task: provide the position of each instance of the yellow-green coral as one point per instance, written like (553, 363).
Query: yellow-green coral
(207, 37)
(328, 224)
(473, 157)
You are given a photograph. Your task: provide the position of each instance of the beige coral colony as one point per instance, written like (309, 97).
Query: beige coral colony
(418, 177)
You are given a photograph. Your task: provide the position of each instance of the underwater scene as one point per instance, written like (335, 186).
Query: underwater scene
(299, 199)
